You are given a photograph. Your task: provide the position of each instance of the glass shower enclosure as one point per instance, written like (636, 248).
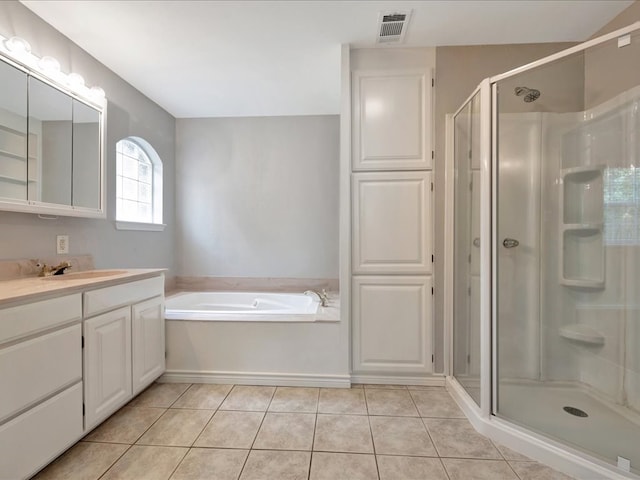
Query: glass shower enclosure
(546, 251)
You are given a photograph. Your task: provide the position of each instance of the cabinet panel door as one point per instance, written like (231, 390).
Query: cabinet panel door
(107, 363)
(148, 342)
(392, 222)
(391, 120)
(392, 324)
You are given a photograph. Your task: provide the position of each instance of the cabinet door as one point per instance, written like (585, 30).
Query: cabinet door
(392, 120)
(107, 363)
(392, 324)
(392, 222)
(148, 342)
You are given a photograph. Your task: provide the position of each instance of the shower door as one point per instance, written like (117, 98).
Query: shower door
(466, 305)
(566, 255)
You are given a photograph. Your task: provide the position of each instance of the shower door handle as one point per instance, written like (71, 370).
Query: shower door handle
(510, 243)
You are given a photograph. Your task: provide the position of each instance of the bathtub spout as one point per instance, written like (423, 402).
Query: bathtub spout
(324, 298)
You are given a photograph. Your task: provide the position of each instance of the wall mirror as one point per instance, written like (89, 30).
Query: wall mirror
(51, 146)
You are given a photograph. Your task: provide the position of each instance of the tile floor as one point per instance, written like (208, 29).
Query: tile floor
(188, 432)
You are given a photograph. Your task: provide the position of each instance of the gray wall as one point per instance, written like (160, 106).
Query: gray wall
(258, 196)
(129, 113)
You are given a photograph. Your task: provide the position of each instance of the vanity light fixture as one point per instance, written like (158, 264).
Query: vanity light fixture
(19, 49)
(18, 46)
(50, 65)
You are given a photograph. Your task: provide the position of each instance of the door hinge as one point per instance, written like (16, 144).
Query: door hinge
(165, 354)
(82, 341)
(433, 82)
(431, 290)
(468, 358)
(433, 358)
(432, 186)
(432, 259)
(433, 154)
(83, 409)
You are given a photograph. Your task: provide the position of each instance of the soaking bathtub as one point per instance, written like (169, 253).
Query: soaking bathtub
(256, 338)
(242, 307)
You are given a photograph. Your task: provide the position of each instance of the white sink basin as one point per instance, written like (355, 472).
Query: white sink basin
(89, 274)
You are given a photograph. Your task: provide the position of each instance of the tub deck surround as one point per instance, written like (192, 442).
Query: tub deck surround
(25, 289)
(252, 306)
(253, 284)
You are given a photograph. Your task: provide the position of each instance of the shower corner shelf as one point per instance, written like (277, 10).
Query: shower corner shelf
(582, 174)
(583, 334)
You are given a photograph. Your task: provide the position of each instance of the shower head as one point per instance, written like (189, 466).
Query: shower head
(530, 94)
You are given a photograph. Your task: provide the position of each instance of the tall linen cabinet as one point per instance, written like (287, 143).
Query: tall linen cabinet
(391, 225)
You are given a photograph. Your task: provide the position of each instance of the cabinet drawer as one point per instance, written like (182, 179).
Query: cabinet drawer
(31, 370)
(109, 298)
(33, 439)
(16, 322)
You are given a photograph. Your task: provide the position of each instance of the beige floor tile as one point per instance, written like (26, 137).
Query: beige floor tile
(410, 468)
(336, 466)
(248, 398)
(84, 461)
(401, 436)
(343, 433)
(393, 403)
(457, 438)
(146, 463)
(280, 465)
(126, 425)
(382, 386)
(161, 395)
(295, 400)
(286, 431)
(203, 396)
(211, 463)
(436, 403)
(536, 471)
(342, 400)
(509, 454)
(230, 430)
(176, 428)
(459, 469)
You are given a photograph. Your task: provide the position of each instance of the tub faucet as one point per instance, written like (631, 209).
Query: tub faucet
(324, 297)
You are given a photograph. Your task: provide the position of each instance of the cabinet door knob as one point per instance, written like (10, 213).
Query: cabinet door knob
(510, 243)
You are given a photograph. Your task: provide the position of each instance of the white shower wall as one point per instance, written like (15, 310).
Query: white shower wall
(537, 350)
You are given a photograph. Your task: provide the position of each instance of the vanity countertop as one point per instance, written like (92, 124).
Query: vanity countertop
(22, 289)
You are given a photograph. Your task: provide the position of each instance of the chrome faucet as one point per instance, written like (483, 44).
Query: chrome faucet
(47, 271)
(323, 297)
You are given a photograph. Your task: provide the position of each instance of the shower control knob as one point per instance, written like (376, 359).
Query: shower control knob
(510, 243)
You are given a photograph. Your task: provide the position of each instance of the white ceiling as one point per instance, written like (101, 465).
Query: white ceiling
(255, 58)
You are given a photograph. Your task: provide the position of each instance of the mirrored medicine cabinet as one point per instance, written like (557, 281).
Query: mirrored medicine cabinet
(51, 146)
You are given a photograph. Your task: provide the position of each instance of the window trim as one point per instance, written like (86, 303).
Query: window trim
(157, 191)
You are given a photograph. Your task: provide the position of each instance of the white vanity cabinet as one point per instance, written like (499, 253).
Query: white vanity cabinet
(40, 383)
(124, 344)
(71, 357)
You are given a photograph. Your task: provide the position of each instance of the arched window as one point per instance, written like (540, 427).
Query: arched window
(138, 183)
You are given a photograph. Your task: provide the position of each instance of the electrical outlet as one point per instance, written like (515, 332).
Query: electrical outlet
(62, 244)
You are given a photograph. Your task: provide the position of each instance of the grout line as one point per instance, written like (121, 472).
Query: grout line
(179, 463)
(444, 468)
(213, 415)
(116, 461)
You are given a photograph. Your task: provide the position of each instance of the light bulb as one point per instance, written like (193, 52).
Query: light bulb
(49, 64)
(75, 80)
(17, 45)
(97, 92)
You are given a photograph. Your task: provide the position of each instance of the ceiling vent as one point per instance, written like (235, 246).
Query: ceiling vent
(392, 26)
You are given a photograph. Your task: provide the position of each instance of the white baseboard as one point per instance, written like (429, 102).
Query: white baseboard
(431, 381)
(256, 378)
(544, 450)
